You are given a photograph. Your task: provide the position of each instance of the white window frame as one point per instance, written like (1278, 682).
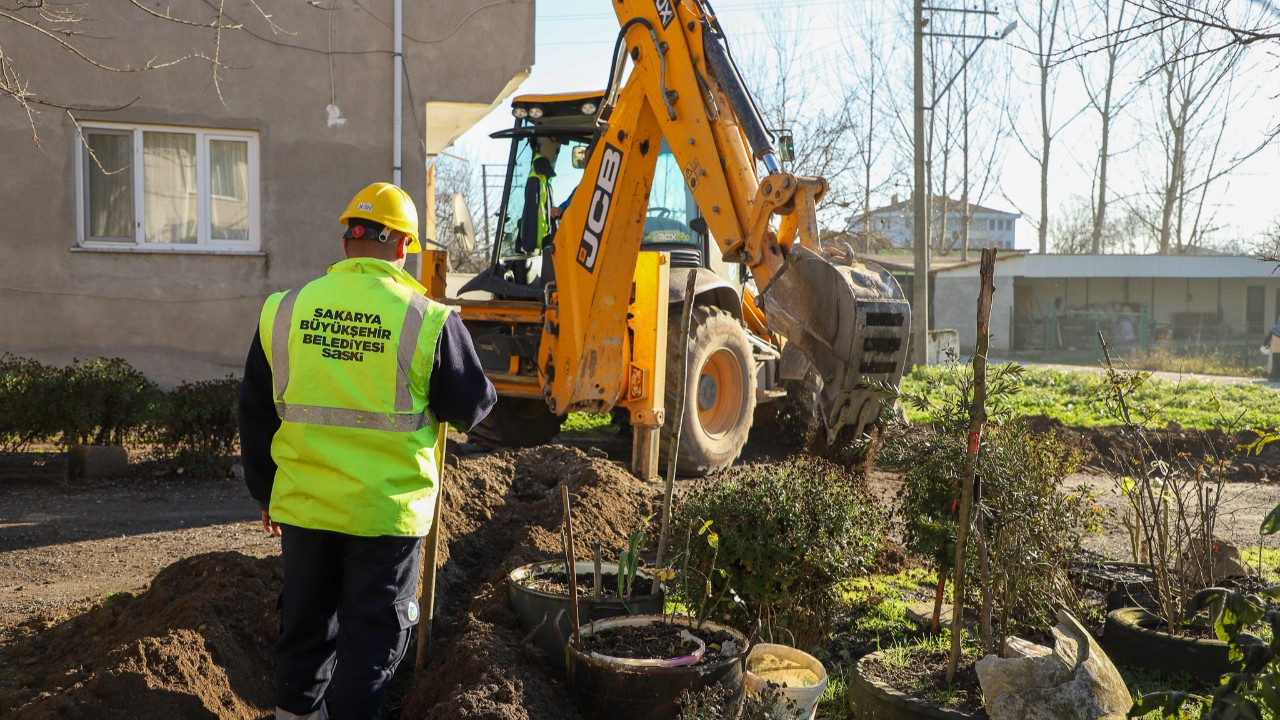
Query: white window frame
(205, 243)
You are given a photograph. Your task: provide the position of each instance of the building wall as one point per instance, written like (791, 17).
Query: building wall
(955, 306)
(1165, 296)
(896, 226)
(181, 317)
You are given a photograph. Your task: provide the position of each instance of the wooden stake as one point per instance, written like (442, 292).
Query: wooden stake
(427, 571)
(682, 374)
(573, 569)
(598, 562)
(977, 417)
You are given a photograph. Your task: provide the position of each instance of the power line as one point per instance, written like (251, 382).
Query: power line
(733, 36)
(720, 10)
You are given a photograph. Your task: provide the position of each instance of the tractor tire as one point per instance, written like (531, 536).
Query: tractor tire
(516, 422)
(720, 397)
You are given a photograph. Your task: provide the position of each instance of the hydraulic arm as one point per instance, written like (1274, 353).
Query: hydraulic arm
(839, 321)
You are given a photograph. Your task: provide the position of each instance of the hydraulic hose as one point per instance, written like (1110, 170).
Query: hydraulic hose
(722, 68)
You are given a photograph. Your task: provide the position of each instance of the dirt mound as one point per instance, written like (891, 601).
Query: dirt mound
(199, 642)
(196, 644)
(503, 511)
(1115, 446)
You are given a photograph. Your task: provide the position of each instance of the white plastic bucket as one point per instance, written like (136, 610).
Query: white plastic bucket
(782, 664)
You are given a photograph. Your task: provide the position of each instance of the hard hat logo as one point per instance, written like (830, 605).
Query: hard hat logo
(389, 206)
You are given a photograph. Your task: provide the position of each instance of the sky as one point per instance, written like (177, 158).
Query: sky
(574, 40)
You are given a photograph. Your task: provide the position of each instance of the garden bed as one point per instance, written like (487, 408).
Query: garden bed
(198, 641)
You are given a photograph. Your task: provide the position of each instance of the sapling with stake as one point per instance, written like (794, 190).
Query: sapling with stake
(977, 416)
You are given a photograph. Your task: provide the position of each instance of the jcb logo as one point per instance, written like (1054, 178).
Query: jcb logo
(598, 212)
(666, 13)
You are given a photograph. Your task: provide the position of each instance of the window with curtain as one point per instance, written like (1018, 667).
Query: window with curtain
(168, 189)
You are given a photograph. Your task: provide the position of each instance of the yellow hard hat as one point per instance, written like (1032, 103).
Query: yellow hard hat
(389, 205)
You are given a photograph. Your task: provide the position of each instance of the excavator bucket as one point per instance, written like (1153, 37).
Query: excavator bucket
(850, 321)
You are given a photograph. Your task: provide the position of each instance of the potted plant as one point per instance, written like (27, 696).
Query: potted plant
(1172, 512)
(639, 666)
(1018, 511)
(1252, 684)
(539, 592)
(792, 534)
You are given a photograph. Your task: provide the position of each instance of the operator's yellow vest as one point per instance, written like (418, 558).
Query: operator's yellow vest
(357, 451)
(544, 202)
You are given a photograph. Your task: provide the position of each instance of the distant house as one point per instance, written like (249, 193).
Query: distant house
(154, 231)
(1058, 303)
(895, 221)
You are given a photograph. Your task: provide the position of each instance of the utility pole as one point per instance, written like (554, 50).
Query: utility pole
(920, 194)
(919, 204)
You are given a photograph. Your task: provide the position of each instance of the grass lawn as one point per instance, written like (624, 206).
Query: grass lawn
(1075, 399)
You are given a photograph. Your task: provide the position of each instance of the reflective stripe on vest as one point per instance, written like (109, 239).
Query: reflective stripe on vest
(403, 420)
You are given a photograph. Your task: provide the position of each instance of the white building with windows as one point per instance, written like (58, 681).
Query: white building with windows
(895, 222)
(152, 226)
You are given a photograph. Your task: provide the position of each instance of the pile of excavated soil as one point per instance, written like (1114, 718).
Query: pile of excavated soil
(1115, 447)
(198, 643)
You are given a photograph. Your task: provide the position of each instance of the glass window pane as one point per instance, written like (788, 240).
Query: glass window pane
(109, 206)
(229, 189)
(509, 233)
(169, 187)
(671, 204)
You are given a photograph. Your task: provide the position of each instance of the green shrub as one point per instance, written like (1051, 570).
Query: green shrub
(1031, 527)
(101, 401)
(786, 536)
(197, 425)
(28, 394)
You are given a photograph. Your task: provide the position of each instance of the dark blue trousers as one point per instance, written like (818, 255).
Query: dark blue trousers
(346, 610)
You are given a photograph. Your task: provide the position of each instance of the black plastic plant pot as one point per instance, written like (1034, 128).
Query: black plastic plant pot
(874, 700)
(607, 689)
(1137, 638)
(535, 608)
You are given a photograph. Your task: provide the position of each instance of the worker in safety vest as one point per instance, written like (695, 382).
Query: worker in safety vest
(348, 380)
(1271, 348)
(538, 220)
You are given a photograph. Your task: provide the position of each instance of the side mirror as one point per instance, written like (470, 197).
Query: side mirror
(579, 156)
(786, 146)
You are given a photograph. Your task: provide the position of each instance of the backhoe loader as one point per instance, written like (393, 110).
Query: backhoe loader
(660, 177)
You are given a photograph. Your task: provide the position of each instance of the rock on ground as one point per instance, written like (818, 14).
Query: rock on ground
(1076, 682)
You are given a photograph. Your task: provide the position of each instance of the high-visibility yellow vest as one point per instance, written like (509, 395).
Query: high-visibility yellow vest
(357, 451)
(544, 202)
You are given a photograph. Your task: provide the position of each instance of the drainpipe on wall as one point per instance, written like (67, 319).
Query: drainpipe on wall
(397, 102)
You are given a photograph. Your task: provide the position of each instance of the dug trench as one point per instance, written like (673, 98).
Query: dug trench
(197, 643)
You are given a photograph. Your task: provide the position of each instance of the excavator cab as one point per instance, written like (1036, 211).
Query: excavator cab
(521, 265)
(518, 270)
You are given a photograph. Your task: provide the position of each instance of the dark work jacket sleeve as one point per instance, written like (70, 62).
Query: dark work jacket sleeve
(529, 218)
(258, 424)
(460, 394)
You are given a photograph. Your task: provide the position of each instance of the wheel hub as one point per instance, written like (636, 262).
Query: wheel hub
(720, 394)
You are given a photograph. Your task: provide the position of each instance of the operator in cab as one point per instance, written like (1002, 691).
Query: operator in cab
(538, 221)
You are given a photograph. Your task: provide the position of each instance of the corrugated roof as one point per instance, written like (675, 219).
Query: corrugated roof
(1135, 266)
